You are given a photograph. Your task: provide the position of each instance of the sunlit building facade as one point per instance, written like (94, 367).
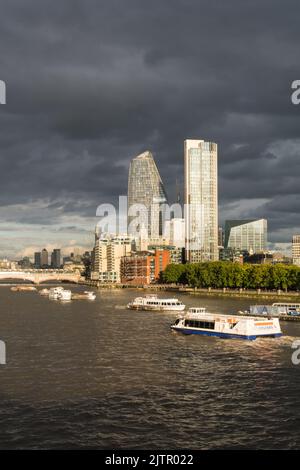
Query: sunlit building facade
(296, 250)
(145, 188)
(201, 200)
(107, 254)
(247, 235)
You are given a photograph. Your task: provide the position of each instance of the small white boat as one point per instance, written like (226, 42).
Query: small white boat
(90, 295)
(59, 293)
(198, 321)
(65, 295)
(54, 293)
(44, 292)
(152, 302)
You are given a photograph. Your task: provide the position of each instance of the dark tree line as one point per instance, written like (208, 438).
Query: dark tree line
(219, 274)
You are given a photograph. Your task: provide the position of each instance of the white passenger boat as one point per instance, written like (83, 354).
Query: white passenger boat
(59, 293)
(198, 321)
(152, 302)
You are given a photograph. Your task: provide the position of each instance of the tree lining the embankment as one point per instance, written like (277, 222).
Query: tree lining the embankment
(220, 274)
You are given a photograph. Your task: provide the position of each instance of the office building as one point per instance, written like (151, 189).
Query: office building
(44, 258)
(37, 260)
(177, 232)
(296, 250)
(145, 188)
(247, 235)
(56, 258)
(201, 200)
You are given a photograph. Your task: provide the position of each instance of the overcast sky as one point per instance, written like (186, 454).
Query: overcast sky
(90, 84)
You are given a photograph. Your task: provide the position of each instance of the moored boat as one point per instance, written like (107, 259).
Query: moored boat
(152, 302)
(65, 295)
(44, 292)
(86, 295)
(59, 293)
(278, 309)
(198, 321)
(23, 288)
(90, 295)
(55, 293)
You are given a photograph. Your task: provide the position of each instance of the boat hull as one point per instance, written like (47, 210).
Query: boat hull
(155, 309)
(194, 331)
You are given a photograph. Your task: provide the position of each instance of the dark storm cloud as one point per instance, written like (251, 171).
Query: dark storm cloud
(91, 84)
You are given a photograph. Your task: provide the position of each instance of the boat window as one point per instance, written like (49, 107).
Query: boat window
(200, 324)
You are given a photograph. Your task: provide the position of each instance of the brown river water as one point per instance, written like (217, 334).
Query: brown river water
(94, 375)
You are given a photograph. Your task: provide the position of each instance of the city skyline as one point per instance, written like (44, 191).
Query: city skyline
(29, 251)
(76, 119)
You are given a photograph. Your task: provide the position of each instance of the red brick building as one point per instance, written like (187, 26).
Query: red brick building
(143, 268)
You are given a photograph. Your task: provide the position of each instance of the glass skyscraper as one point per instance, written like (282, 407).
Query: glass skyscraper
(249, 235)
(145, 188)
(201, 200)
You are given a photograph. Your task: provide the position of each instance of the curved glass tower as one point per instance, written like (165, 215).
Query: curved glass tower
(146, 195)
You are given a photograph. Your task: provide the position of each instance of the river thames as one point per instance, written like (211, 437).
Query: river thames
(94, 375)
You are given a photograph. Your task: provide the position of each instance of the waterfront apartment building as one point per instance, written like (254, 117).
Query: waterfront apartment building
(296, 250)
(144, 268)
(145, 187)
(201, 200)
(247, 235)
(107, 255)
(135, 269)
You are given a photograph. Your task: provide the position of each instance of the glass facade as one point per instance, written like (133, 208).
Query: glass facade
(145, 188)
(201, 200)
(248, 235)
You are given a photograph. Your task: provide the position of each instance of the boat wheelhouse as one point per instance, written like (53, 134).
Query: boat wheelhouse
(198, 321)
(152, 302)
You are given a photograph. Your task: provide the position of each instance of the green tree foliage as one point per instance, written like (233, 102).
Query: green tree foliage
(219, 274)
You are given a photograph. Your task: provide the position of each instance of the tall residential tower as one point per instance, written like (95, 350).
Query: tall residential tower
(201, 200)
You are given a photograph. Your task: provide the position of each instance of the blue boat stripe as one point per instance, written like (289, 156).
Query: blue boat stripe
(190, 331)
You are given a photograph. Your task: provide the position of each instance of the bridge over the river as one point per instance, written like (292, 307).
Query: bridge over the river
(40, 275)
